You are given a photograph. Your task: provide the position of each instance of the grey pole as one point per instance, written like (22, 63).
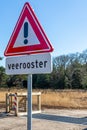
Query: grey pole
(29, 112)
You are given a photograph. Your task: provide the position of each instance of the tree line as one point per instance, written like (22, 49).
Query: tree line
(69, 72)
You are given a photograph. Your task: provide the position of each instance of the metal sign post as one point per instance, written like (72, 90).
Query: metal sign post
(29, 113)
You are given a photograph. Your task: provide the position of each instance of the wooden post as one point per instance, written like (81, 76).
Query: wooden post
(25, 108)
(10, 102)
(7, 103)
(17, 105)
(39, 101)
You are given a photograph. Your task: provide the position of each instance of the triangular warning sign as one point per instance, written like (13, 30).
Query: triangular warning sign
(28, 36)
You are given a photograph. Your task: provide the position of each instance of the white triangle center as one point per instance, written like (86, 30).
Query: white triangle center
(30, 39)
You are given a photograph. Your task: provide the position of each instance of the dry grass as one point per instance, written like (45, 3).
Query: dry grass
(56, 99)
(65, 99)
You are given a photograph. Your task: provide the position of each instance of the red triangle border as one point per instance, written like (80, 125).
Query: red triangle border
(43, 47)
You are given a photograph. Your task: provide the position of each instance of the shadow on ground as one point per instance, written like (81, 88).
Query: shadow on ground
(65, 119)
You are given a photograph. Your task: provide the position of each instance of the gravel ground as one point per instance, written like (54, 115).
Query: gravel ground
(49, 119)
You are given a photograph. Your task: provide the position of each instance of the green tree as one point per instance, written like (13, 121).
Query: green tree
(77, 79)
(2, 75)
(2, 72)
(41, 81)
(16, 81)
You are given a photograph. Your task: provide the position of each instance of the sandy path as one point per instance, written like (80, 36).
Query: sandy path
(49, 119)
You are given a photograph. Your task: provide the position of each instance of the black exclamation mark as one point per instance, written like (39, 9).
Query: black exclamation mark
(25, 32)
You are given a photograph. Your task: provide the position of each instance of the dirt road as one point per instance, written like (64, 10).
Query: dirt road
(49, 119)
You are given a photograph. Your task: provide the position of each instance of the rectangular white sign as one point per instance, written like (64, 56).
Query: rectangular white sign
(29, 64)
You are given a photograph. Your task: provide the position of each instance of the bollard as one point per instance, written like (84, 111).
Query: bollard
(16, 104)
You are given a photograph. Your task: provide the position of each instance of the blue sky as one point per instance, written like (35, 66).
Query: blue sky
(64, 22)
